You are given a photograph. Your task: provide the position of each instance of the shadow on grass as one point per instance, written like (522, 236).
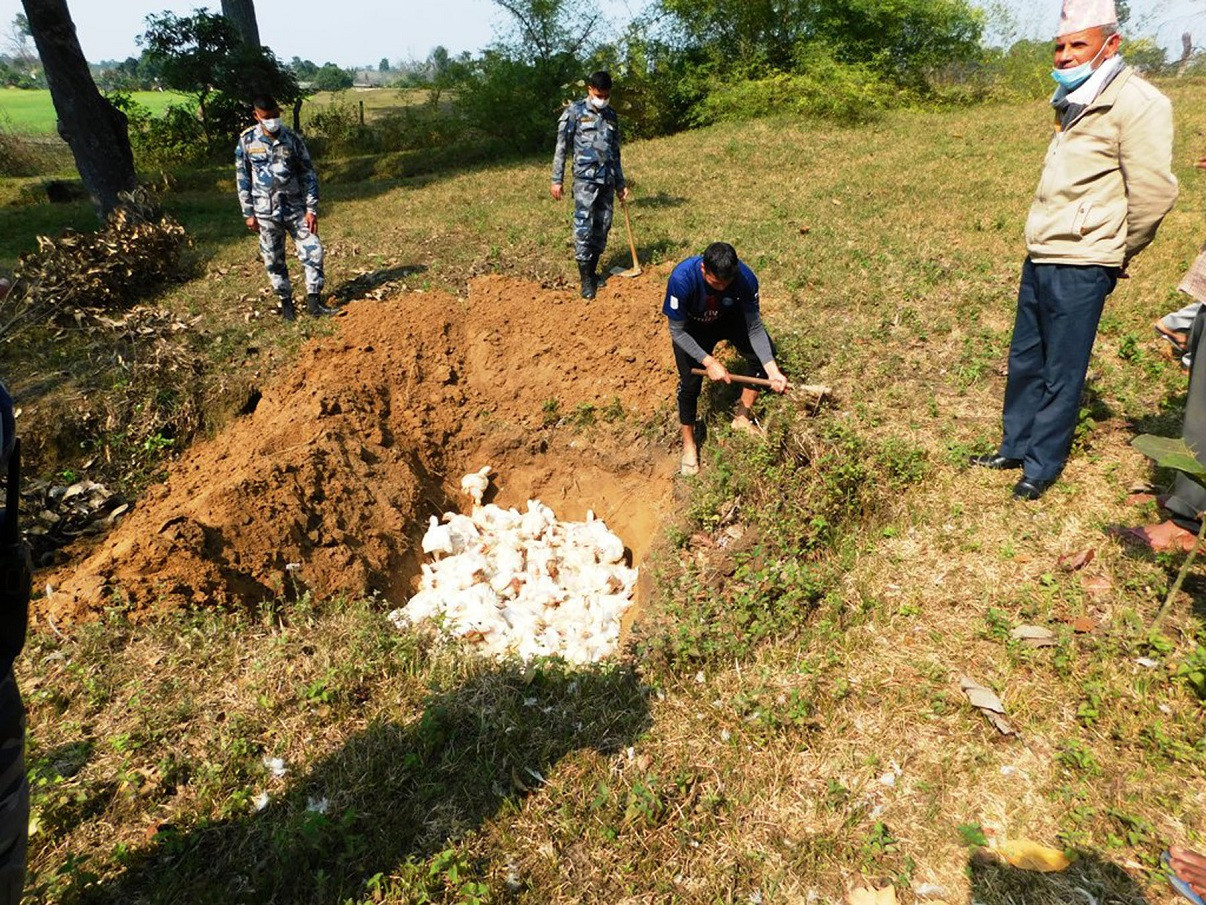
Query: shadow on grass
(365, 283)
(1090, 879)
(658, 201)
(649, 254)
(394, 792)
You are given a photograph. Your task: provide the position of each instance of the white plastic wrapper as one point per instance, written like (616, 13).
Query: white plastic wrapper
(522, 584)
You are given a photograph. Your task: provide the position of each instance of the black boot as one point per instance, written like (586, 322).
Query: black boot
(588, 279)
(595, 277)
(288, 312)
(315, 306)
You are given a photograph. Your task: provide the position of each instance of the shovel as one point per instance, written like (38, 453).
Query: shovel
(635, 269)
(816, 390)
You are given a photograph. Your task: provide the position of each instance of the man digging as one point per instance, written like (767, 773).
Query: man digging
(713, 297)
(278, 193)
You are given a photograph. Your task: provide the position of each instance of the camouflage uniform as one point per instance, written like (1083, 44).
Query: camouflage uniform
(278, 186)
(594, 136)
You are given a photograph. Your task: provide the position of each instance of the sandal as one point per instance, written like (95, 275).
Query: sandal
(1179, 340)
(1182, 888)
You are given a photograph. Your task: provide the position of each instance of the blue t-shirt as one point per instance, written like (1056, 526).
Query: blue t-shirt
(689, 297)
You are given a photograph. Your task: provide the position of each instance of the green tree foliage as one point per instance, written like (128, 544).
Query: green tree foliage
(383, 66)
(1146, 55)
(519, 86)
(203, 55)
(901, 39)
(330, 77)
(516, 101)
(545, 30)
(131, 74)
(303, 70)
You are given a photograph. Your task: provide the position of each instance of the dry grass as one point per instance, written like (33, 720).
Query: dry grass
(889, 256)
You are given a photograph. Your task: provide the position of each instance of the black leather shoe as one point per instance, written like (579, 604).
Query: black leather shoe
(995, 461)
(1030, 489)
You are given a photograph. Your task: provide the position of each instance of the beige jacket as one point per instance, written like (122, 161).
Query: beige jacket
(1107, 181)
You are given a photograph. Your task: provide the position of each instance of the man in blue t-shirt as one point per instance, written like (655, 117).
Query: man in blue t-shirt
(713, 297)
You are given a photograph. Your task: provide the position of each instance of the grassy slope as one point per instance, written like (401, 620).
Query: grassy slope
(889, 256)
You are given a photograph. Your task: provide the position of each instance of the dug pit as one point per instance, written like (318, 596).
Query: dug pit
(328, 484)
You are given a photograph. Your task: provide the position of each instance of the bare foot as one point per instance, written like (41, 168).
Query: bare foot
(1190, 867)
(1163, 537)
(689, 466)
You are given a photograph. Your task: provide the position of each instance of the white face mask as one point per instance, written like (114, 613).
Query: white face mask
(597, 102)
(271, 125)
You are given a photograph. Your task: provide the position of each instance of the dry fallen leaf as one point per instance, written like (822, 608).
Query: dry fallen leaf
(981, 697)
(1071, 562)
(1025, 854)
(1096, 585)
(988, 704)
(1083, 625)
(1034, 636)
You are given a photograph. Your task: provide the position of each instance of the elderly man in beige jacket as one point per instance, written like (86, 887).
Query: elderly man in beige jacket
(1106, 184)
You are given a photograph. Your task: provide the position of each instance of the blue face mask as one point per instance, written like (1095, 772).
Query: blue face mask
(1071, 79)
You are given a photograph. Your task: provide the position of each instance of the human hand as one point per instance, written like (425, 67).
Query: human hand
(1201, 163)
(625, 194)
(778, 381)
(312, 222)
(556, 191)
(253, 224)
(716, 371)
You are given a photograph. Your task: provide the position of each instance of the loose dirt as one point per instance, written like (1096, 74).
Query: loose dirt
(328, 483)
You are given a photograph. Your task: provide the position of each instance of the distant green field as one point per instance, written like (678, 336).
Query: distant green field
(32, 113)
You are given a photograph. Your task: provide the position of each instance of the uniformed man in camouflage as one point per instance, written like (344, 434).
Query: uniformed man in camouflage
(588, 129)
(278, 192)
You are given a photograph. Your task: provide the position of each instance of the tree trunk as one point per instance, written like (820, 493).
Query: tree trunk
(1186, 53)
(241, 14)
(95, 130)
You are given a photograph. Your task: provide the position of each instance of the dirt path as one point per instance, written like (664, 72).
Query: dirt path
(343, 459)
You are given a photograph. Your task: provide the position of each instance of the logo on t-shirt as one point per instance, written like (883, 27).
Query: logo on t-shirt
(712, 306)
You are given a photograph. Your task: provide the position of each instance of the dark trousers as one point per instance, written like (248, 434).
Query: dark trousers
(731, 327)
(1188, 498)
(1059, 306)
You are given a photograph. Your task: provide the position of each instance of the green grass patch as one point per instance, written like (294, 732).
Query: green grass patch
(31, 111)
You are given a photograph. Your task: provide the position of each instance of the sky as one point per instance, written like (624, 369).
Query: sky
(361, 32)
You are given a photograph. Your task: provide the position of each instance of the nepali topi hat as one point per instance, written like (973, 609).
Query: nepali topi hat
(1078, 15)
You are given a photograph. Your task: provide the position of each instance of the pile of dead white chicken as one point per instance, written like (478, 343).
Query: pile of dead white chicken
(522, 584)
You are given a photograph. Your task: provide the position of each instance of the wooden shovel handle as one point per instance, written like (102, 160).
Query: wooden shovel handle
(636, 265)
(811, 389)
(738, 378)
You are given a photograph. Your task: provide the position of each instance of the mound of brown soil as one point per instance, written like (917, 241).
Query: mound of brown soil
(328, 483)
